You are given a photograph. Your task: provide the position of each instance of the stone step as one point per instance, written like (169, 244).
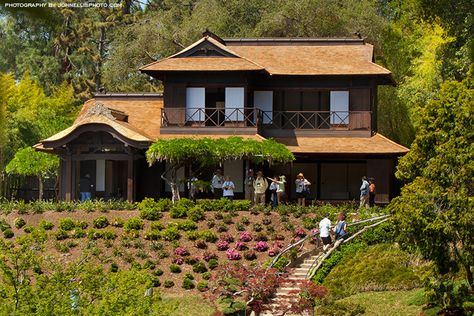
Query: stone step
(287, 289)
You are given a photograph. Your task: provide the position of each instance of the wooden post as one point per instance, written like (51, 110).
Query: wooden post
(130, 184)
(68, 193)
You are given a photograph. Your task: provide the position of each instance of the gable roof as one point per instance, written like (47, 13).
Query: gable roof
(276, 56)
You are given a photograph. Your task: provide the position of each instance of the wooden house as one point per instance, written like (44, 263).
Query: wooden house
(316, 96)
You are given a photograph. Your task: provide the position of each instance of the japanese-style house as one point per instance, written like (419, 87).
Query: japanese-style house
(316, 96)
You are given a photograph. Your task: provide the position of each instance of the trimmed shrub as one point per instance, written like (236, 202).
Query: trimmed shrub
(178, 211)
(206, 275)
(8, 233)
(108, 235)
(187, 284)
(168, 284)
(212, 263)
(114, 267)
(118, 222)
(174, 268)
(66, 224)
(78, 233)
(19, 222)
(152, 235)
(150, 209)
(61, 234)
(46, 225)
(157, 226)
(189, 276)
(199, 267)
(4, 225)
(158, 272)
(133, 223)
(100, 222)
(202, 286)
(28, 228)
(171, 233)
(208, 236)
(196, 213)
(187, 225)
(250, 255)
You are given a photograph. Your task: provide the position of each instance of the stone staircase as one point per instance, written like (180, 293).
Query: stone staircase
(287, 292)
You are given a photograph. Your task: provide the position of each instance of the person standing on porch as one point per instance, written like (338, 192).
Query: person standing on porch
(85, 187)
(216, 183)
(371, 192)
(249, 190)
(192, 187)
(281, 190)
(364, 193)
(302, 189)
(228, 187)
(260, 185)
(273, 191)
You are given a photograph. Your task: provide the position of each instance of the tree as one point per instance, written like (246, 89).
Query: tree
(185, 152)
(434, 213)
(29, 162)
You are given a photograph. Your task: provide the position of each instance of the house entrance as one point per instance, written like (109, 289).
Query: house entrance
(108, 178)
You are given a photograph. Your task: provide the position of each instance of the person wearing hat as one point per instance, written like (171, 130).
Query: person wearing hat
(281, 189)
(260, 185)
(302, 190)
(249, 190)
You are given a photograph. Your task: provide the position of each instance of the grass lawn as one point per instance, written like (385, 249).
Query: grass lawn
(189, 305)
(388, 303)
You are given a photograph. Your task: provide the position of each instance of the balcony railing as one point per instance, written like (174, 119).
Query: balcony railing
(317, 120)
(252, 117)
(210, 117)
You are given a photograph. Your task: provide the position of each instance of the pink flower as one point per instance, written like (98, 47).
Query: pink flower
(222, 245)
(208, 256)
(261, 246)
(245, 236)
(226, 237)
(179, 261)
(300, 232)
(180, 251)
(233, 254)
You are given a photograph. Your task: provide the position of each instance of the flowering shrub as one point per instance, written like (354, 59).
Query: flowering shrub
(308, 295)
(179, 261)
(314, 234)
(222, 245)
(261, 246)
(300, 232)
(241, 246)
(273, 252)
(226, 237)
(208, 256)
(180, 251)
(245, 236)
(233, 254)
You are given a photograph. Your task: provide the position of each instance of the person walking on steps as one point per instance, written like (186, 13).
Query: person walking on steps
(371, 192)
(341, 226)
(324, 229)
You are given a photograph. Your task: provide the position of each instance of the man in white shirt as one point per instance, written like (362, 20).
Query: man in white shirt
(324, 229)
(216, 183)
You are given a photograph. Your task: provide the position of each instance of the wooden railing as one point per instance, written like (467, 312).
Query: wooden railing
(253, 117)
(315, 120)
(210, 117)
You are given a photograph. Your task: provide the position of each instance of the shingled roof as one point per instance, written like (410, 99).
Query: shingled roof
(276, 56)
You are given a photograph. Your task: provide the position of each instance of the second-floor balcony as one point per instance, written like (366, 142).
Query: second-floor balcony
(253, 119)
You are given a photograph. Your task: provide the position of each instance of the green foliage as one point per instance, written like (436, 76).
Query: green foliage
(196, 213)
(434, 211)
(168, 284)
(19, 222)
(100, 222)
(171, 233)
(188, 284)
(66, 224)
(187, 225)
(133, 223)
(150, 209)
(380, 267)
(178, 211)
(8, 233)
(174, 268)
(450, 294)
(199, 267)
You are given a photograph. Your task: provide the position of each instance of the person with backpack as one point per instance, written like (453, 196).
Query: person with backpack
(341, 226)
